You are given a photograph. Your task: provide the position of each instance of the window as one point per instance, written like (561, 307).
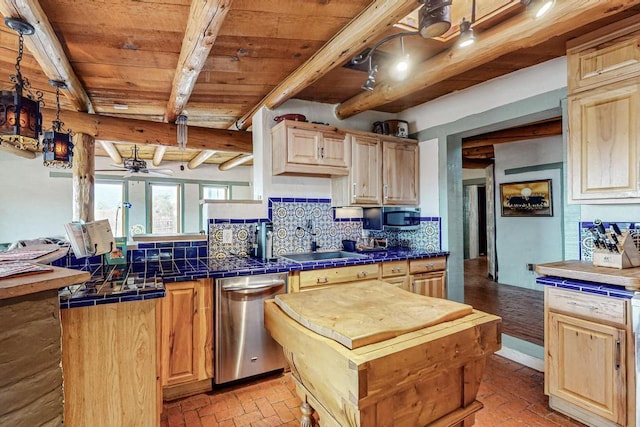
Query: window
(165, 208)
(108, 197)
(215, 192)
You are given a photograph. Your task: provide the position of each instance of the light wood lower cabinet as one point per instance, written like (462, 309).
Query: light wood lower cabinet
(424, 276)
(187, 338)
(429, 284)
(589, 363)
(321, 278)
(109, 364)
(428, 276)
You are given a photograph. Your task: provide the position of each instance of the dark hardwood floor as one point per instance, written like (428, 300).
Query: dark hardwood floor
(522, 310)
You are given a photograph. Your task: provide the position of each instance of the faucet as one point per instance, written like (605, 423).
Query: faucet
(308, 229)
(314, 244)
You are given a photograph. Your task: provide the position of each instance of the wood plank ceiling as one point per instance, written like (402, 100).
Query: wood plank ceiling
(218, 61)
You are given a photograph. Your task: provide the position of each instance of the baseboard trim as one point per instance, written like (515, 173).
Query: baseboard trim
(521, 358)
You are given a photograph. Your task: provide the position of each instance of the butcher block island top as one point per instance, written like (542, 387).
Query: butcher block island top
(425, 373)
(584, 270)
(367, 314)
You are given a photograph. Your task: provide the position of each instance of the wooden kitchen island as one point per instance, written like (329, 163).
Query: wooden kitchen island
(371, 354)
(31, 382)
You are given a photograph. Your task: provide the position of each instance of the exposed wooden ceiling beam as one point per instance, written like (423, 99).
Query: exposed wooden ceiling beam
(47, 50)
(200, 158)
(521, 31)
(236, 161)
(116, 129)
(376, 19)
(205, 19)
(475, 163)
(158, 154)
(485, 152)
(522, 133)
(112, 151)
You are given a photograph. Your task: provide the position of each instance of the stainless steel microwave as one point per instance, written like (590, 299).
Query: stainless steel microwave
(396, 218)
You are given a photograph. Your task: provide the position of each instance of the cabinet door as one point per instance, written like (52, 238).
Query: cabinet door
(400, 173)
(183, 336)
(304, 146)
(429, 284)
(332, 152)
(586, 363)
(402, 282)
(365, 177)
(603, 144)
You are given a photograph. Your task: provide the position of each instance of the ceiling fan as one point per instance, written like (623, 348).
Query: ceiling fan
(134, 165)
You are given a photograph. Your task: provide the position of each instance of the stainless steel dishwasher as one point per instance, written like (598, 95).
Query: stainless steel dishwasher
(243, 347)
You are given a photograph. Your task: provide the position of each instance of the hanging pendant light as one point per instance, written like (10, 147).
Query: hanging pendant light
(181, 123)
(57, 148)
(20, 115)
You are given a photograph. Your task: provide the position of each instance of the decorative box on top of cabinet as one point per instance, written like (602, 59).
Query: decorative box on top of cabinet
(301, 148)
(187, 338)
(604, 102)
(384, 170)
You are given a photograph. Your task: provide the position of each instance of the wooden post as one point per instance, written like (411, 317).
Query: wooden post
(83, 177)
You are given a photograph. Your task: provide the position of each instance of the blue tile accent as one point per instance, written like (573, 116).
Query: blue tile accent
(585, 286)
(146, 245)
(82, 303)
(182, 244)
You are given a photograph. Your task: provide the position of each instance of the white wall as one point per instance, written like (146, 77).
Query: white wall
(494, 93)
(32, 205)
(528, 240)
(429, 197)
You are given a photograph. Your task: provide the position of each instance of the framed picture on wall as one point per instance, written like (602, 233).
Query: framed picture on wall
(527, 198)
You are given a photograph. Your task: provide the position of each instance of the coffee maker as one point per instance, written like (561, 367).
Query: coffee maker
(264, 249)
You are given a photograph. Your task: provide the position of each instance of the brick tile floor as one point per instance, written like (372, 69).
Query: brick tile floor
(512, 395)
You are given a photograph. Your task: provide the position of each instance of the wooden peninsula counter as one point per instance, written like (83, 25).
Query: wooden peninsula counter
(30, 336)
(371, 354)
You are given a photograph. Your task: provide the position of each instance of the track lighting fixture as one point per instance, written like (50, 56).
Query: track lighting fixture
(467, 37)
(371, 78)
(435, 18)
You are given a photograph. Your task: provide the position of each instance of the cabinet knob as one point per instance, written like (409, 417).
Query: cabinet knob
(362, 274)
(324, 279)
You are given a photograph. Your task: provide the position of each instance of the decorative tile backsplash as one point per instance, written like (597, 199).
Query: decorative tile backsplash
(586, 239)
(294, 219)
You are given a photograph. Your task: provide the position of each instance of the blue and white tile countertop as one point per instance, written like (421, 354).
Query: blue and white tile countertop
(144, 277)
(584, 286)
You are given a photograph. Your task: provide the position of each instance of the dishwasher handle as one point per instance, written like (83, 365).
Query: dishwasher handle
(254, 286)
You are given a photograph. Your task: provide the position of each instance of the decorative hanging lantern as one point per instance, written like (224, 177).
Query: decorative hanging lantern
(20, 115)
(57, 147)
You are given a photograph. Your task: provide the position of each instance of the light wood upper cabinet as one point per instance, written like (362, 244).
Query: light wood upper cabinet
(363, 186)
(187, 328)
(301, 148)
(603, 143)
(604, 56)
(383, 171)
(400, 173)
(603, 157)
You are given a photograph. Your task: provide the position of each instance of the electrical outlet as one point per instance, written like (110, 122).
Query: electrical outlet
(227, 236)
(531, 267)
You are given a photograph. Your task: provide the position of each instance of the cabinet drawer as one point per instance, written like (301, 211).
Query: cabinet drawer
(394, 268)
(587, 305)
(329, 276)
(427, 264)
